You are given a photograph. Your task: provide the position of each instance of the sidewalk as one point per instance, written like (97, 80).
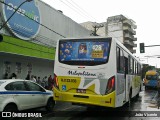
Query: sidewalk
(155, 100)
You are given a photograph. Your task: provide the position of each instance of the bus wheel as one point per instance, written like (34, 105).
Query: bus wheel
(129, 99)
(137, 96)
(140, 89)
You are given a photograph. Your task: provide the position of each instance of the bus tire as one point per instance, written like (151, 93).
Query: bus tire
(129, 98)
(137, 96)
(140, 89)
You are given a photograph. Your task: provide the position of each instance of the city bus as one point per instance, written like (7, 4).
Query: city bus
(95, 71)
(151, 79)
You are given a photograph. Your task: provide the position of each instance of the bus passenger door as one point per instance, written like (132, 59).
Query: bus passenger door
(126, 77)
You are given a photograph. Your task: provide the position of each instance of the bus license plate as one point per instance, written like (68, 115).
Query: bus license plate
(81, 90)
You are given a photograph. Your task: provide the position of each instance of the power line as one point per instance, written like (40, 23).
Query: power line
(82, 10)
(79, 9)
(75, 10)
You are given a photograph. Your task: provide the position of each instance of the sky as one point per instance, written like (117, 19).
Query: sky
(146, 14)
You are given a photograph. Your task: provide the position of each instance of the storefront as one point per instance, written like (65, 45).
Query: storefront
(22, 57)
(29, 37)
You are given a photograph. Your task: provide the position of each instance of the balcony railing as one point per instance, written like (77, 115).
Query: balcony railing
(129, 43)
(134, 39)
(128, 22)
(130, 37)
(135, 45)
(126, 28)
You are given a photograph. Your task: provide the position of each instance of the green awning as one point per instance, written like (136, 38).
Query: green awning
(26, 48)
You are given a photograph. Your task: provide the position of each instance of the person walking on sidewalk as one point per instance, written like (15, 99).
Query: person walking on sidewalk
(50, 82)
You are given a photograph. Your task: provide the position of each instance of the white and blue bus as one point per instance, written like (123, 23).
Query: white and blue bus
(95, 71)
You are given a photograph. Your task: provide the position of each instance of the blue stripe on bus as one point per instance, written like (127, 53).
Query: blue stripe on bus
(24, 92)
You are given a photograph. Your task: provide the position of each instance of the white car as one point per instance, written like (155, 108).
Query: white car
(17, 95)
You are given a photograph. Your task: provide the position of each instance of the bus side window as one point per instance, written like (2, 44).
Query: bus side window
(132, 66)
(122, 67)
(129, 65)
(139, 69)
(120, 61)
(135, 68)
(126, 66)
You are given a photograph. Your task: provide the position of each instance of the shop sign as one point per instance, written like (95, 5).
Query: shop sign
(25, 22)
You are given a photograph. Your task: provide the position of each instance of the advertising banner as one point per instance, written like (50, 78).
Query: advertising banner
(25, 21)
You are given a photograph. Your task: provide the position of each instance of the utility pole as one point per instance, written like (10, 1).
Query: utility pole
(96, 26)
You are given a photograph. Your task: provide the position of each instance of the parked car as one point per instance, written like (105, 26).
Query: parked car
(17, 95)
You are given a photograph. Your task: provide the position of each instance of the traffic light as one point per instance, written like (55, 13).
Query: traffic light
(1, 38)
(142, 50)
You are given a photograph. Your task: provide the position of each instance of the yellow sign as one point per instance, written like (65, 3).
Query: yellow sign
(97, 54)
(68, 83)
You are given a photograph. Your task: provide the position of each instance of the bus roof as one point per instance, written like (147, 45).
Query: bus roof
(151, 72)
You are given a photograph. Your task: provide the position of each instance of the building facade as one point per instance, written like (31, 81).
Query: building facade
(118, 27)
(123, 29)
(30, 36)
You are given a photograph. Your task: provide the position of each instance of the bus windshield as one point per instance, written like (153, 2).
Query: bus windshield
(151, 77)
(84, 52)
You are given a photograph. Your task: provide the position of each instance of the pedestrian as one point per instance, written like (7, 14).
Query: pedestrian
(39, 80)
(28, 77)
(13, 76)
(5, 76)
(50, 82)
(33, 78)
(45, 82)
